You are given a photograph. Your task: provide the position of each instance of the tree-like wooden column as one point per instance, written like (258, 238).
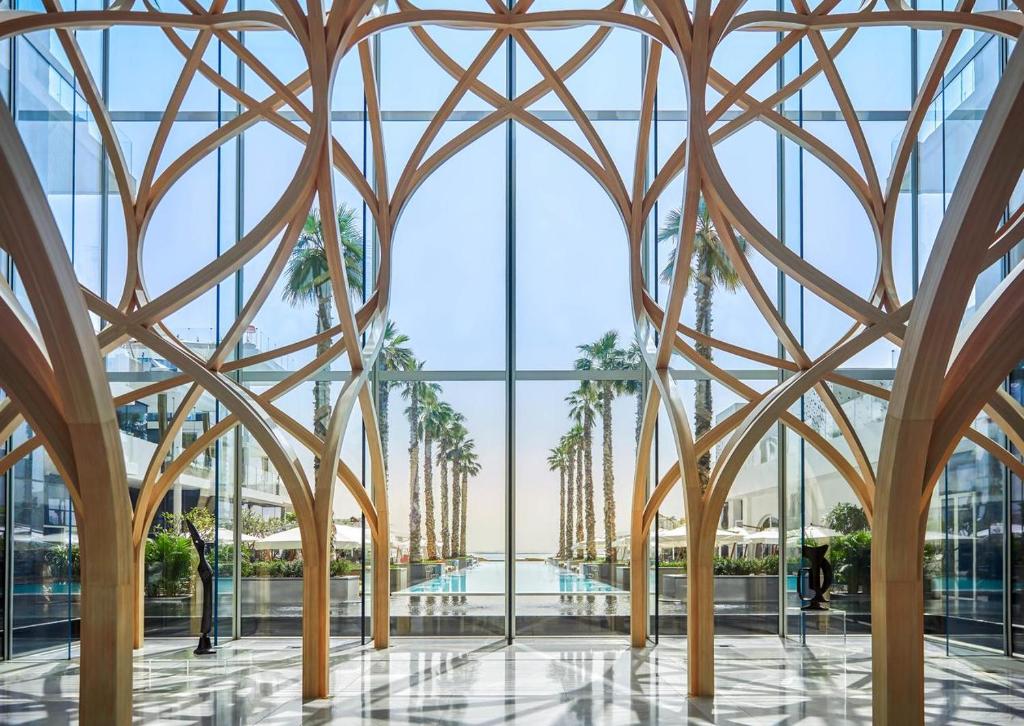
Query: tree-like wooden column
(944, 378)
(40, 383)
(56, 376)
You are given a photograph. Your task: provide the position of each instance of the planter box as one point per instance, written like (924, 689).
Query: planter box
(261, 593)
(664, 584)
(399, 578)
(345, 588)
(622, 576)
(423, 571)
(672, 586)
(751, 590)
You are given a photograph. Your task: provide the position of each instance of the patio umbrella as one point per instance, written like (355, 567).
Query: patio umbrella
(347, 536)
(287, 539)
(57, 537)
(933, 536)
(677, 537)
(226, 536)
(814, 532)
(762, 536)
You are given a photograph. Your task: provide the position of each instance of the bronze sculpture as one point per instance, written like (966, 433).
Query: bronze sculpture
(205, 647)
(819, 577)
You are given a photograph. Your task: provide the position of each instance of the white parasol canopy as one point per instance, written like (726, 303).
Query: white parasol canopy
(676, 537)
(814, 532)
(345, 537)
(762, 536)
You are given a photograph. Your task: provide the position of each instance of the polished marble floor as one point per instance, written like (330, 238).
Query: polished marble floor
(761, 680)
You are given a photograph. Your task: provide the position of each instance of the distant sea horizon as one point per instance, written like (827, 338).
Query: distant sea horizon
(500, 556)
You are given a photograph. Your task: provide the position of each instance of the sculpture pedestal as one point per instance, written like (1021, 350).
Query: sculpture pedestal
(205, 647)
(830, 624)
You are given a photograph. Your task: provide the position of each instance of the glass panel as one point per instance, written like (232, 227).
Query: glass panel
(746, 568)
(458, 589)
(568, 584)
(45, 568)
(1016, 501)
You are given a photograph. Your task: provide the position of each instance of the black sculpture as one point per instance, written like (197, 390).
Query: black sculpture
(819, 577)
(205, 647)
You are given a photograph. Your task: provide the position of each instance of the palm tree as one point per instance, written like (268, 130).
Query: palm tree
(557, 462)
(574, 444)
(582, 409)
(459, 436)
(416, 392)
(632, 360)
(435, 415)
(394, 356)
(470, 466)
(445, 441)
(308, 281)
(605, 354)
(567, 445)
(710, 268)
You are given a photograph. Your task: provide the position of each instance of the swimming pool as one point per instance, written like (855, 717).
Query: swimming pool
(532, 578)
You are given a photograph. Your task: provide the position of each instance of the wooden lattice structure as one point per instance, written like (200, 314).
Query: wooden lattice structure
(53, 373)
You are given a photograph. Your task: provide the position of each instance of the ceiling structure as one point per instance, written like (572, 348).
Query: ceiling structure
(950, 369)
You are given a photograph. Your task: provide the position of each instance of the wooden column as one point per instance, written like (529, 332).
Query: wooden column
(76, 409)
(139, 596)
(316, 627)
(700, 616)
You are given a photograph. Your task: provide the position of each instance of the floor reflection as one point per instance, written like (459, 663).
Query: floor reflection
(760, 680)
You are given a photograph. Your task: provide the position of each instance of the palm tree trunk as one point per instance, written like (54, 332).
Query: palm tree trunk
(579, 501)
(415, 553)
(588, 443)
(383, 396)
(608, 473)
(569, 508)
(322, 388)
(561, 512)
(445, 544)
(456, 509)
(703, 405)
(639, 414)
(428, 493)
(465, 498)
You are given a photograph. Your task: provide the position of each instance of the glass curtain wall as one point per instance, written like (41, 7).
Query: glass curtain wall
(510, 397)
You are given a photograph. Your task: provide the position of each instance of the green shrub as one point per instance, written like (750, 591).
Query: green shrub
(61, 558)
(260, 569)
(850, 555)
(342, 567)
(736, 565)
(847, 518)
(169, 561)
(747, 566)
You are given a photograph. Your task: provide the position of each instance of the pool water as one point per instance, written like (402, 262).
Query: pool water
(532, 578)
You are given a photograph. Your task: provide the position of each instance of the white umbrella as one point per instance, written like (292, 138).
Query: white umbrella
(933, 536)
(762, 536)
(226, 536)
(814, 532)
(346, 536)
(58, 538)
(677, 537)
(729, 536)
(287, 539)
